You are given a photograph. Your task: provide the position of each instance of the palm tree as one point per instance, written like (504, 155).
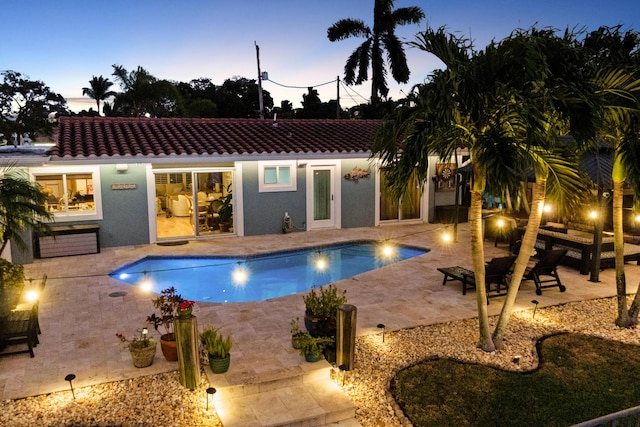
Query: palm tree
(377, 40)
(616, 61)
(495, 104)
(137, 90)
(98, 90)
(22, 206)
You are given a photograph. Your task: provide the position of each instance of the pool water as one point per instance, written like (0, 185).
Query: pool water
(226, 279)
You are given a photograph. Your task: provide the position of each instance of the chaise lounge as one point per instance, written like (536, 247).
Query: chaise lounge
(496, 272)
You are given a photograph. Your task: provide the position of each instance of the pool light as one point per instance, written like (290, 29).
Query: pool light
(240, 275)
(145, 283)
(123, 276)
(321, 263)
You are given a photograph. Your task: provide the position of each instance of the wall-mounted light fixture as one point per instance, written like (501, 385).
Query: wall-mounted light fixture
(122, 167)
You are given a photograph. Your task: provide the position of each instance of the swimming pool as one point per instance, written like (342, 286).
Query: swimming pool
(228, 279)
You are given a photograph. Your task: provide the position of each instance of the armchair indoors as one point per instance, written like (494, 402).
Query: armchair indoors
(181, 206)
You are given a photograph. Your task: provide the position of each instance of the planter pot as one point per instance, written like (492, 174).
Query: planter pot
(219, 366)
(143, 356)
(320, 326)
(224, 227)
(311, 358)
(169, 347)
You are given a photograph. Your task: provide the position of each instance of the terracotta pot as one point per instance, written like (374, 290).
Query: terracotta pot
(169, 347)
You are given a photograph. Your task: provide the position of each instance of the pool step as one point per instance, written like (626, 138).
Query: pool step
(308, 399)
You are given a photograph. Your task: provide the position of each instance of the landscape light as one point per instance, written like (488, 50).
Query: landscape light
(534, 308)
(500, 222)
(446, 237)
(593, 214)
(210, 391)
(70, 378)
(638, 218)
(31, 295)
(381, 326)
(546, 208)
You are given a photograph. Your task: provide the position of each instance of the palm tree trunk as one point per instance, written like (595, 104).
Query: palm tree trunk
(477, 253)
(623, 319)
(526, 251)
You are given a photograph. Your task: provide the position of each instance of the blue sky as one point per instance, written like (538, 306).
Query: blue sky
(65, 42)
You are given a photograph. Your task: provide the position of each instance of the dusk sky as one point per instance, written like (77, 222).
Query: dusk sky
(65, 42)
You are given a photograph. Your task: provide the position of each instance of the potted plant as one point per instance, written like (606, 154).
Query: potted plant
(312, 347)
(321, 309)
(167, 303)
(225, 210)
(142, 349)
(218, 347)
(296, 333)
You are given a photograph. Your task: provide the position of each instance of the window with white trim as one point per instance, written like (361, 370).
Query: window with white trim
(73, 193)
(276, 176)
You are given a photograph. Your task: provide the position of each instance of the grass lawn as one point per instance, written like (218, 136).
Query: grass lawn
(579, 378)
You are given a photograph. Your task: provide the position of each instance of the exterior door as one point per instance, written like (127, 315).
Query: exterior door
(407, 208)
(323, 203)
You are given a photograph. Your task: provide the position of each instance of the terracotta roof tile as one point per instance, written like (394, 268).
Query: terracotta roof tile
(91, 137)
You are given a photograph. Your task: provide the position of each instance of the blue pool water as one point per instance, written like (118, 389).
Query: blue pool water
(256, 278)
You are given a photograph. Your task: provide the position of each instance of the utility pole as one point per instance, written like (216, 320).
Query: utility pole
(260, 101)
(338, 97)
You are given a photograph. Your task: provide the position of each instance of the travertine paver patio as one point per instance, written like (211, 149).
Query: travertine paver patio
(79, 318)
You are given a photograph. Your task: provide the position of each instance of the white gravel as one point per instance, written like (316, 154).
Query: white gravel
(160, 400)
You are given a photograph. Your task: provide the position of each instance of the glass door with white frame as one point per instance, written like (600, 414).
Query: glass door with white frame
(323, 206)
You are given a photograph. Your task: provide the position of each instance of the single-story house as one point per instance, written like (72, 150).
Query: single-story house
(128, 181)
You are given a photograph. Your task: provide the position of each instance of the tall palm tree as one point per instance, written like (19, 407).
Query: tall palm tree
(615, 58)
(378, 39)
(137, 89)
(99, 90)
(22, 206)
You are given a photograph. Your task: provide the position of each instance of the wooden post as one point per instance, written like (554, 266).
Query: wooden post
(346, 336)
(186, 329)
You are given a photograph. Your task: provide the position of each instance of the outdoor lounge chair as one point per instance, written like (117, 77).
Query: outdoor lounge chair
(544, 273)
(496, 272)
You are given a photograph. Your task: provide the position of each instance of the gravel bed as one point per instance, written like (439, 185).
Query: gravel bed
(160, 400)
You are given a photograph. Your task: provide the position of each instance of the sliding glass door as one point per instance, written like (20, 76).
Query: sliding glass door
(193, 203)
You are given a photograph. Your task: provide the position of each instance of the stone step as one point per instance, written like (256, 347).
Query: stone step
(308, 399)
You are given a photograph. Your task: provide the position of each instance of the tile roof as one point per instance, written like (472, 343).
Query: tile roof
(118, 137)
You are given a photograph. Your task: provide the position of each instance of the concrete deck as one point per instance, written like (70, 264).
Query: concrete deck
(79, 318)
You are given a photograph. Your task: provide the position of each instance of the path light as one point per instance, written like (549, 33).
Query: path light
(70, 378)
(381, 326)
(145, 332)
(534, 301)
(446, 237)
(593, 214)
(500, 222)
(343, 369)
(210, 391)
(31, 295)
(516, 359)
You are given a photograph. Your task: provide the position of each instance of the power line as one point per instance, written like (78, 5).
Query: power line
(300, 87)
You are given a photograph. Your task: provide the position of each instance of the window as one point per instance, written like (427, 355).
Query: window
(277, 176)
(72, 193)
